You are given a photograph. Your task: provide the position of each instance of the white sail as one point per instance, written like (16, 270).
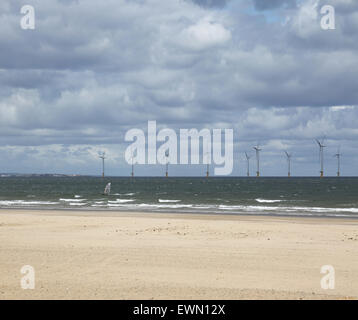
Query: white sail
(107, 189)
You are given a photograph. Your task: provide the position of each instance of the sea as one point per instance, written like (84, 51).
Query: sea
(295, 196)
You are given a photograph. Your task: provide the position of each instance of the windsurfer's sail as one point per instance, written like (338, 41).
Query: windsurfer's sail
(107, 189)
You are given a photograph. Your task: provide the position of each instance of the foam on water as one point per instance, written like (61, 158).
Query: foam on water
(268, 201)
(124, 194)
(126, 204)
(24, 202)
(121, 201)
(169, 201)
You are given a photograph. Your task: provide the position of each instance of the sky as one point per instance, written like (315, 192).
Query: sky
(92, 70)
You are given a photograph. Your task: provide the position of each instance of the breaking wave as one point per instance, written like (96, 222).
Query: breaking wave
(267, 201)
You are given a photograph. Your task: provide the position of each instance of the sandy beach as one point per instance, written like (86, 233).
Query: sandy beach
(118, 255)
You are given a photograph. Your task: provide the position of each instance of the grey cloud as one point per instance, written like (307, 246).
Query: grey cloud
(211, 3)
(90, 71)
(273, 4)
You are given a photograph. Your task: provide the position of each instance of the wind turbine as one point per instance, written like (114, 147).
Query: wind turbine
(167, 162)
(289, 156)
(257, 149)
(338, 155)
(207, 165)
(132, 158)
(248, 164)
(321, 146)
(103, 157)
(208, 158)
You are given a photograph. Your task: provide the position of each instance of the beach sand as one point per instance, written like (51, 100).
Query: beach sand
(118, 255)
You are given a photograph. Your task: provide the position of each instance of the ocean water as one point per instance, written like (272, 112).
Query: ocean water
(264, 196)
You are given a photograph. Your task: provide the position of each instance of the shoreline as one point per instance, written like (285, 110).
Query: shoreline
(89, 254)
(115, 212)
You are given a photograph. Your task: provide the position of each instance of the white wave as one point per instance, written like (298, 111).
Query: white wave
(252, 209)
(72, 200)
(232, 208)
(159, 206)
(224, 207)
(176, 206)
(323, 210)
(122, 201)
(77, 204)
(289, 209)
(77, 196)
(148, 206)
(24, 202)
(267, 201)
(169, 201)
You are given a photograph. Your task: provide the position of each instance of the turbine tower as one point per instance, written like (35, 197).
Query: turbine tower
(338, 155)
(132, 159)
(289, 156)
(321, 146)
(257, 149)
(132, 172)
(167, 162)
(248, 164)
(102, 156)
(207, 164)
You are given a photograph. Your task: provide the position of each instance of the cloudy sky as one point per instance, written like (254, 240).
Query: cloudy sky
(91, 70)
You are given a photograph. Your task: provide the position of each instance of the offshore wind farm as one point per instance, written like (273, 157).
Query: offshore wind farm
(249, 193)
(206, 156)
(246, 194)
